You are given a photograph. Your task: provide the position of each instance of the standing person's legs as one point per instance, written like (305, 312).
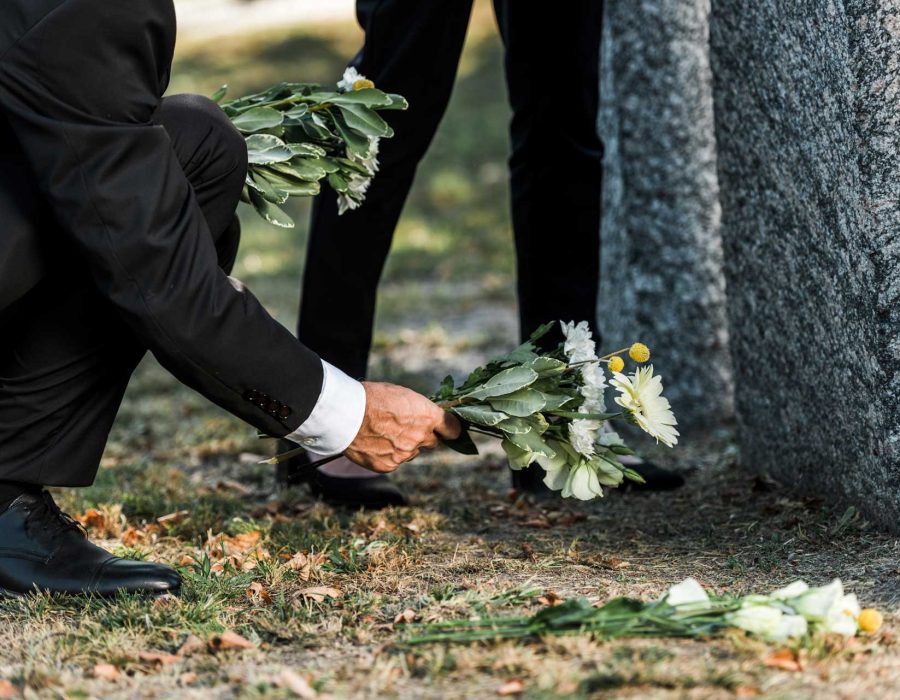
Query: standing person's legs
(411, 48)
(552, 73)
(65, 357)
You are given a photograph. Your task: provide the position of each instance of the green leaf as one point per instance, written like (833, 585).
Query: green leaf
(301, 169)
(369, 97)
(480, 415)
(586, 416)
(505, 382)
(515, 426)
(518, 458)
(547, 366)
(357, 143)
(531, 442)
(263, 149)
(219, 94)
(397, 102)
(292, 186)
(541, 332)
(267, 189)
(257, 119)
(293, 116)
(338, 184)
(307, 149)
(463, 444)
(365, 120)
(270, 212)
(553, 402)
(523, 402)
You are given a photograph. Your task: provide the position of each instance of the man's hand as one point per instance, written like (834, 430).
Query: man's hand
(398, 424)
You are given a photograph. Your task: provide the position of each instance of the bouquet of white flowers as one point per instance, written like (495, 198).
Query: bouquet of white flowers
(298, 135)
(685, 610)
(549, 408)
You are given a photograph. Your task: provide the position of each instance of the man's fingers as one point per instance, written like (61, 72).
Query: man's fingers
(431, 441)
(449, 427)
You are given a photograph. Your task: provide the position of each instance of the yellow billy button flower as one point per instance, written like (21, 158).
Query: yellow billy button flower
(869, 620)
(362, 84)
(639, 352)
(616, 364)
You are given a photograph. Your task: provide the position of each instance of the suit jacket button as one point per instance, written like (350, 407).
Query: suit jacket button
(272, 407)
(284, 411)
(251, 395)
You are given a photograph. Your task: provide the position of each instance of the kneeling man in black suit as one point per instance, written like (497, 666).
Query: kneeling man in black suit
(117, 233)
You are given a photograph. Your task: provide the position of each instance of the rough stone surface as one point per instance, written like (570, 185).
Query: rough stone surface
(807, 95)
(661, 261)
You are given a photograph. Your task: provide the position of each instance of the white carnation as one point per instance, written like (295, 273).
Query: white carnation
(351, 75)
(579, 344)
(583, 435)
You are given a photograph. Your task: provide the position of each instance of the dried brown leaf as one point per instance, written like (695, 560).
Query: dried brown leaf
(296, 683)
(229, 640)
(105, 672)
(192, 645)
(320, 593)
(784, 659)
(513, 687)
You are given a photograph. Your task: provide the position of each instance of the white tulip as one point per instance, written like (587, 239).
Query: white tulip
(816, 603)
(767, 621)
(687, 592)
(842, 617)
(582, 483)
(792, 590)
(556, 467)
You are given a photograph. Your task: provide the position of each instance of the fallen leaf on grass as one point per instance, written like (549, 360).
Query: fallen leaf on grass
(229, 640)
(550, 598)
(614, 564)
(406, 616)
(784, 659)
(172, 518)
(258, 593)
(320, 593)
(192, 645)
(746, 691)
(157, 657)
(187, 678)
(234, 486)
(296, 683)
(513, 687)
(528, 550)
(305, 564)
(108, 521)
(105, 672)
(8, 690)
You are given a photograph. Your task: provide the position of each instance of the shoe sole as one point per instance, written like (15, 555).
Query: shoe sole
(15, 595)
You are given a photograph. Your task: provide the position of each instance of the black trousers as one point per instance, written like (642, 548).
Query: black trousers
(65, 356)
(413, 48)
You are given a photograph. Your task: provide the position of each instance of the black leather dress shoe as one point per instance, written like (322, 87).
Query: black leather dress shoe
(369, 493)
(43, 548)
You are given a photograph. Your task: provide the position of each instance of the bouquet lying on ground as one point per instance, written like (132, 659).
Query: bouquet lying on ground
(298, 135)
(686, 610)
(549, 408)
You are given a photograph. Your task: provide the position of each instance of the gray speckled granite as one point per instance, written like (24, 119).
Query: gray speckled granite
(661, 265)
(807, 105)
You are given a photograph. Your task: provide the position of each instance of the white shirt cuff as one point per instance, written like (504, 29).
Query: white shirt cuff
(337, 416)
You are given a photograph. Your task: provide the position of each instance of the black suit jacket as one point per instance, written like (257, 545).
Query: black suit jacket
(79, 81)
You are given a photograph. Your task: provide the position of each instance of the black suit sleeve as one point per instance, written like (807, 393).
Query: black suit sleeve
(78, 89)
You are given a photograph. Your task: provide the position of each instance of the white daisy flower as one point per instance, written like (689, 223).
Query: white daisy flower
(641, 395)
(579, 345)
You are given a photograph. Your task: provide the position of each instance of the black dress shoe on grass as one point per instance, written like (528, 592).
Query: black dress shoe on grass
(655, 478)
(369, 493)
(42, 548)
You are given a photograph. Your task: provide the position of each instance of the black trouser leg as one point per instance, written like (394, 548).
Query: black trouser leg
(65, 357)
(552, 75)
(412, 48)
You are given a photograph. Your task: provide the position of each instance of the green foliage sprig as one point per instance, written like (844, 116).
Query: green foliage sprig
(299, 135)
